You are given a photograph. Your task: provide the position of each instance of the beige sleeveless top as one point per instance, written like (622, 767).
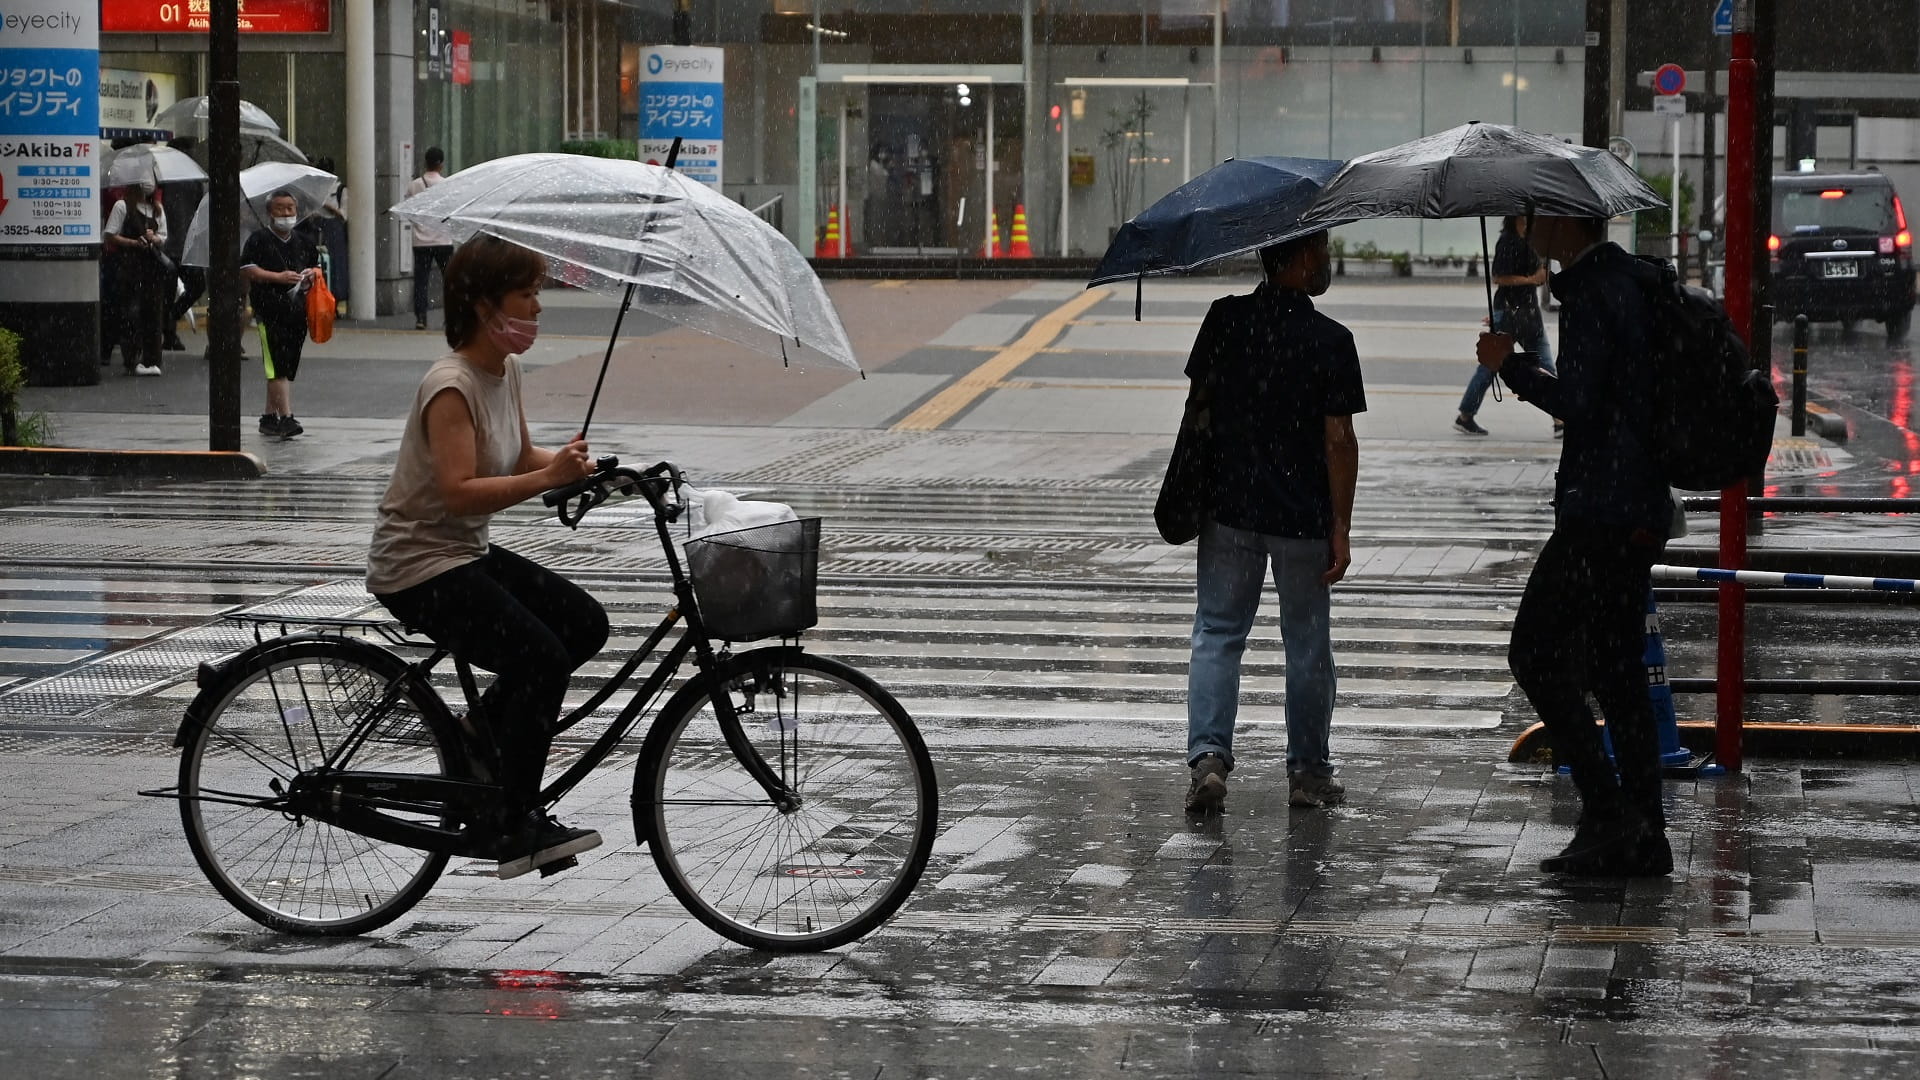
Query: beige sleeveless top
(416, 538)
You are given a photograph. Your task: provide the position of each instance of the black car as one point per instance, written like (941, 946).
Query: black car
(1841, 250)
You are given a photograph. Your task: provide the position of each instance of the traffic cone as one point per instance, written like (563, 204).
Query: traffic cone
(1672, 753)
(829, 245)
(991, 249)
(1019, 247)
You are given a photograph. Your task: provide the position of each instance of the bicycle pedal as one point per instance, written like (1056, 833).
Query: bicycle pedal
(553, 868)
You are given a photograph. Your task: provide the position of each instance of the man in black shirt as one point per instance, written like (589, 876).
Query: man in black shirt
(279, 263)
(1280, 383)
(1581, 624)
(1518, 273)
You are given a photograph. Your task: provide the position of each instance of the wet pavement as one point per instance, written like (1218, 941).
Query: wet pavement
(998, 571)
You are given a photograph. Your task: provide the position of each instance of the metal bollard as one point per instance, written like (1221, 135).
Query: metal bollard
(1799, 374)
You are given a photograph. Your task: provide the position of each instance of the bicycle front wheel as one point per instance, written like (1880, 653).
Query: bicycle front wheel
(285, 711)
(813, 877)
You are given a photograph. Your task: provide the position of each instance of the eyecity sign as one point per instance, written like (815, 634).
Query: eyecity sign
(49, 124)
(683, 94)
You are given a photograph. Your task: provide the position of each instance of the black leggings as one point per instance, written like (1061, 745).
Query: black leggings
(1582, 626)
(526, 624)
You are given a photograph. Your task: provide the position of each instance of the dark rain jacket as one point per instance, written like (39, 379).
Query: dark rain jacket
(1604, 393)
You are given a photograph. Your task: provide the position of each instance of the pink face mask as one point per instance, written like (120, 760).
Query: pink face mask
(511, 334)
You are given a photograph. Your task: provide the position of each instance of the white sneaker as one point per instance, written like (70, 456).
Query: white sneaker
(146, 369)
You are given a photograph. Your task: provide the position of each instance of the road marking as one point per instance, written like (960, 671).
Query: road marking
(962, 392)
(891, 283)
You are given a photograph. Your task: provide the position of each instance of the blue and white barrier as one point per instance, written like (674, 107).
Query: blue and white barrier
(1788, 581)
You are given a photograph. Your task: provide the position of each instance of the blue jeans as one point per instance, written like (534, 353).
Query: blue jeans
(1233, 566)
(1483, 377)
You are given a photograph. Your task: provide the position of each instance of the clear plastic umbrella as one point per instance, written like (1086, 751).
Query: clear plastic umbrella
(136, 163)
(309, 187)
(191, 117)
(670, 245)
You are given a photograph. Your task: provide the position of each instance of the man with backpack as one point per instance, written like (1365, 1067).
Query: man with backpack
(1582, 619)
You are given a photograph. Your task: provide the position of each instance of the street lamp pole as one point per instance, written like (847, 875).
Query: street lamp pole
(223, 238)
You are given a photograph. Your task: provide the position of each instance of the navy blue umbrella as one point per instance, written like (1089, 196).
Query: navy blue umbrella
(1238, 206)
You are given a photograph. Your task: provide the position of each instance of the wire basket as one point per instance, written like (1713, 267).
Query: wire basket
(758, 582)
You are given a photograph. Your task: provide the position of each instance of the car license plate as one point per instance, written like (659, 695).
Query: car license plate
(1837, 268)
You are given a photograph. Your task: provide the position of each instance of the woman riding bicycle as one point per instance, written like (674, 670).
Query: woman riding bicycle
(466, 455)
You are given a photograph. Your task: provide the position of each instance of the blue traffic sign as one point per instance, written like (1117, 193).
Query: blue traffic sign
(1669, 79)
(1723, 17)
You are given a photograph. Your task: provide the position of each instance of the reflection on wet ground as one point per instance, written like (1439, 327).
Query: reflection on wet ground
(1073, 921)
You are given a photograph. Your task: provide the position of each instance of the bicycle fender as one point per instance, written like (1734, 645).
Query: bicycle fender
(689, 696)
(212, 678)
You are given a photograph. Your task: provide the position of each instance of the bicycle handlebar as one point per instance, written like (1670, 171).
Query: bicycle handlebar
(660, 483)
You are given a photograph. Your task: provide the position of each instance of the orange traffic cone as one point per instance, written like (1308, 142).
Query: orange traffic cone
(991, 249)
(829, 245)
(1019, 247)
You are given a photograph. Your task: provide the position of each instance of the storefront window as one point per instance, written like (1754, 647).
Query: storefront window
(502, 96)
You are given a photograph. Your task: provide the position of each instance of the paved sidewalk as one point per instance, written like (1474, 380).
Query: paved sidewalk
(1073, 921)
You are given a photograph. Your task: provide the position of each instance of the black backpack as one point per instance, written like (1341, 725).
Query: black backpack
(1712, 412)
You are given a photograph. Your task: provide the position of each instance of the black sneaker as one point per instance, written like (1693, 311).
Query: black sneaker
(1614, 847)
(1208, 792)
(289, 427)
(419, 324)
(269, 424)
(1465, 425)
(541, 841)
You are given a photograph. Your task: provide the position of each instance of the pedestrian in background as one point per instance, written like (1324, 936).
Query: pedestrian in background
(182, 198)
(279, 263)
(1581, 624)
(1518, 274)
(142, 282)
(1281, 382)
(432, 244)
(330, 233)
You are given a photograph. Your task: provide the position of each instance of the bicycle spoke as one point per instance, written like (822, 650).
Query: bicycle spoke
(823, 871)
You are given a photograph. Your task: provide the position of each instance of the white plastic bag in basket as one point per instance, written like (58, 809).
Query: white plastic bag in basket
(715, 511)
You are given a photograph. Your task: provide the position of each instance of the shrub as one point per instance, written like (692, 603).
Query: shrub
(625, 149)
(35, 429)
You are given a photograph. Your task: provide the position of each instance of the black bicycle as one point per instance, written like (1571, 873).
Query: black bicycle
(788, 800)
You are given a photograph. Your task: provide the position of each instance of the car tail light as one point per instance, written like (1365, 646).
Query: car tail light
(1773, 245)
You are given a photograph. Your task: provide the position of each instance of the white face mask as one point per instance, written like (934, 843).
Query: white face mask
(284, 224)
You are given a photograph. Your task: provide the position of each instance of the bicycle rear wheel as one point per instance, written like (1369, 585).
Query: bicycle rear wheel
(283, 712)
(829, 871)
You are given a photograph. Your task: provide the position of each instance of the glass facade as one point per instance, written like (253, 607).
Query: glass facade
(502, 97)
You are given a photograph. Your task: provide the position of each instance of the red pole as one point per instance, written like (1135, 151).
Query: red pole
(1730, 671)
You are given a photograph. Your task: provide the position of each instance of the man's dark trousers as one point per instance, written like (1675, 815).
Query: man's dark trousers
(1582, 626)
(424, 260)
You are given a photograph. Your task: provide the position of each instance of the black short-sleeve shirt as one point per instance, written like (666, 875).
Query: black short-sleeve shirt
(267, 250)
(1274, 370)
(1514, 257)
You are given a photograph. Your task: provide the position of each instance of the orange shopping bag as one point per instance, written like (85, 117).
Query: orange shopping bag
(320, 310)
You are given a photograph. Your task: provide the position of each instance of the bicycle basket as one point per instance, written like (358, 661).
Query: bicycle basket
(758, 582)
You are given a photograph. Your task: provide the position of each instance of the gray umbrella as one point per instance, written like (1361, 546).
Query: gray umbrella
(191, 117)
(1482, 170)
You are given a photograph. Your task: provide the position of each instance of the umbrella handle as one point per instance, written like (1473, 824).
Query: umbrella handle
(625, 303)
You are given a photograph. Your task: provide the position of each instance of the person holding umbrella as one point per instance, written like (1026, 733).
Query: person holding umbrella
(1280, 383)
(465, 455)
(1582, 619)
(279, 264)
(142, 275)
